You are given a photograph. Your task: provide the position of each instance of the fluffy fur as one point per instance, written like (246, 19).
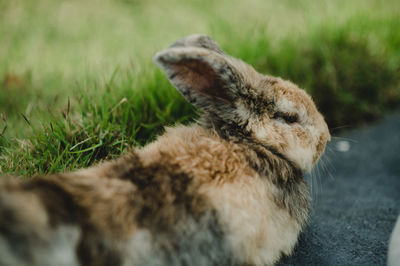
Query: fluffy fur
(227, 190)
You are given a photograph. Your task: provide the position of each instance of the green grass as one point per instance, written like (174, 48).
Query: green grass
(78, 84)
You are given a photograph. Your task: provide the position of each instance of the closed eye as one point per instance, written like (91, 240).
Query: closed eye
(289, 118)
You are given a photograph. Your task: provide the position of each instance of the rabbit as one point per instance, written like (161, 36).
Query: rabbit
(225, 190)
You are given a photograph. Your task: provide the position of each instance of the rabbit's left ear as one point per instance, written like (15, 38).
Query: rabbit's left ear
(203, 76)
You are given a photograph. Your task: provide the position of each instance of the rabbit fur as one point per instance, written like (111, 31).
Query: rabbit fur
(226, 190)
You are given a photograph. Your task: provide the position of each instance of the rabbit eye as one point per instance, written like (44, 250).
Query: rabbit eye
(288, 118)
(291, 118)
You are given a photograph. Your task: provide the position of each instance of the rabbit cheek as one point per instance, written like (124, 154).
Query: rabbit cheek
(267, 133)
(298, 147)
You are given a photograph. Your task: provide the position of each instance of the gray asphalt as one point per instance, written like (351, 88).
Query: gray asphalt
(356, 206)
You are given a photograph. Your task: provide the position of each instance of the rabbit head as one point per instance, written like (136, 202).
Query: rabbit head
(242, 104)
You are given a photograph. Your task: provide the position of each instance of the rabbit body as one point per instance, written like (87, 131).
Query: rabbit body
(227, 190)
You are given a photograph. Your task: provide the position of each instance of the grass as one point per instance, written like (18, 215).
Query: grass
(78, 84)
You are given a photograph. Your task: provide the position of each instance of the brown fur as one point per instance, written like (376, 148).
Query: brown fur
(228, 190)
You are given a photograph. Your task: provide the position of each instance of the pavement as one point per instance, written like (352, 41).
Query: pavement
(356, 201)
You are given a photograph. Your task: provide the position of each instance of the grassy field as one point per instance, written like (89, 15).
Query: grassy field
(77, 82)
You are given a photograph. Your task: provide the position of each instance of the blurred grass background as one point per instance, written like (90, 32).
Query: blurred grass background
(77, 82)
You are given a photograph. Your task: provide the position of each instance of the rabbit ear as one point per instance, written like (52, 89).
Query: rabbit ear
(204, 77)
(198, 40)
